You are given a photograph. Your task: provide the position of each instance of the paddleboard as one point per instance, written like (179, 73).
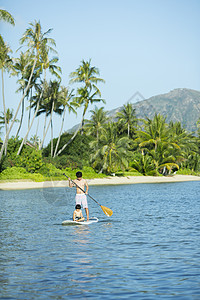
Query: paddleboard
(71, 222)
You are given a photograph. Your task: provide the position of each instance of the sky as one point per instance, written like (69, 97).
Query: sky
(146, 46)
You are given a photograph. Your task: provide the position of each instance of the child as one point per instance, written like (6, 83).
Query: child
(80, 194)
(77, 215)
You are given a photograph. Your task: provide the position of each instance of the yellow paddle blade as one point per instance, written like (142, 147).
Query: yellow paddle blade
(107, 211)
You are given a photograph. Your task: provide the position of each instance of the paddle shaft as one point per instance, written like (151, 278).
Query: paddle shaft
(81, 189)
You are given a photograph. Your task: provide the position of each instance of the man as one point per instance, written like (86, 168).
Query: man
(80, 194)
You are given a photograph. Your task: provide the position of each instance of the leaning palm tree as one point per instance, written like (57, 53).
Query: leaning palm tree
(86, 94)
(5, 65)
(34, 38)
(21, 66)
(30, 125)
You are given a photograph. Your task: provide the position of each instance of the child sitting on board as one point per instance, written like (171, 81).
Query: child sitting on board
(77, 215)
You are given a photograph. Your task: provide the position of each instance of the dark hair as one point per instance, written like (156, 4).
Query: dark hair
(78, 206)
(78, 174)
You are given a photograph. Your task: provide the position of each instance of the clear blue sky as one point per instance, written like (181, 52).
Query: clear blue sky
(150, 46)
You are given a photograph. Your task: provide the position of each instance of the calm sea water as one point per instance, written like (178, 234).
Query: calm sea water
(148, 249)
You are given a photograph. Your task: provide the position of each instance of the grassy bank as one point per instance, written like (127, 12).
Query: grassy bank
(52, 173)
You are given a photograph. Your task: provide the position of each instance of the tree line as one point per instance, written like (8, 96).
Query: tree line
(148, 146)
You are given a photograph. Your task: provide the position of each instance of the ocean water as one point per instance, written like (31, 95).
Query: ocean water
(148, 249)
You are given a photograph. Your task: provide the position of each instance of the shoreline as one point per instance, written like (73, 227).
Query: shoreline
(21, 185)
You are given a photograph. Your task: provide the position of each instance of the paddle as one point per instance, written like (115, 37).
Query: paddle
(107, 211)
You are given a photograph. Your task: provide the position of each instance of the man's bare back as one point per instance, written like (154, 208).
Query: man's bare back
(80, 192)
(82, 183)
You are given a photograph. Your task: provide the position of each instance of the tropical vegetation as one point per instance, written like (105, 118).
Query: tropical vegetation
(99, 146)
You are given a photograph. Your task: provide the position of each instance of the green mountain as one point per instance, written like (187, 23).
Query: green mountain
(179, 105)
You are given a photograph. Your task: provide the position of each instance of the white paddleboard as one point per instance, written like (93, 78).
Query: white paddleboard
(71, 222)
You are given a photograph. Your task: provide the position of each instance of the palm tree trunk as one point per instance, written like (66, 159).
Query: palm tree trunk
(51, 138)
(45, 122)
(128, 129)
(36, 133)
(29, 128)
(72, 138)
(4, 108)
(58, 141)
(22, 115)
(45, 133)
(29, 114)
(19, 105)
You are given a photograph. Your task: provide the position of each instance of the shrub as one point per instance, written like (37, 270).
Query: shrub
(49, 170)
(30, 159)
(19, 173)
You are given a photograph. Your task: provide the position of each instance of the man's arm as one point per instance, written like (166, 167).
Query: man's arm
(70, 183)
(87, 187)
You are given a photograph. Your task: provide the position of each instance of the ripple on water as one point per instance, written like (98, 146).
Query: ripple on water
(148, 249)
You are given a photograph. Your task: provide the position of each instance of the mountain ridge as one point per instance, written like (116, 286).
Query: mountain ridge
(178, 105)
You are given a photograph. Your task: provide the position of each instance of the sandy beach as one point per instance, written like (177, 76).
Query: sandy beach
(19, 185)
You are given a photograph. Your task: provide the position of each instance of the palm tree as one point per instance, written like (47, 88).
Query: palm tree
(35, 140)
(86, 74)
(95, 126)
(87, 94)
(6, 17)
(83, 96)
(35, 39)
(186, 143)
(155, 141)
(66, 97)
(42, 44)
(127, 118)
(37, 99)
(112, 152)
(49, 64)
(30, 125)
(51, 102)
(5, 65)
(8, 118)
(21, 66)
(143, 163)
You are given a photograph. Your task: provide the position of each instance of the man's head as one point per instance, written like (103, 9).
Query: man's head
(78, 174)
